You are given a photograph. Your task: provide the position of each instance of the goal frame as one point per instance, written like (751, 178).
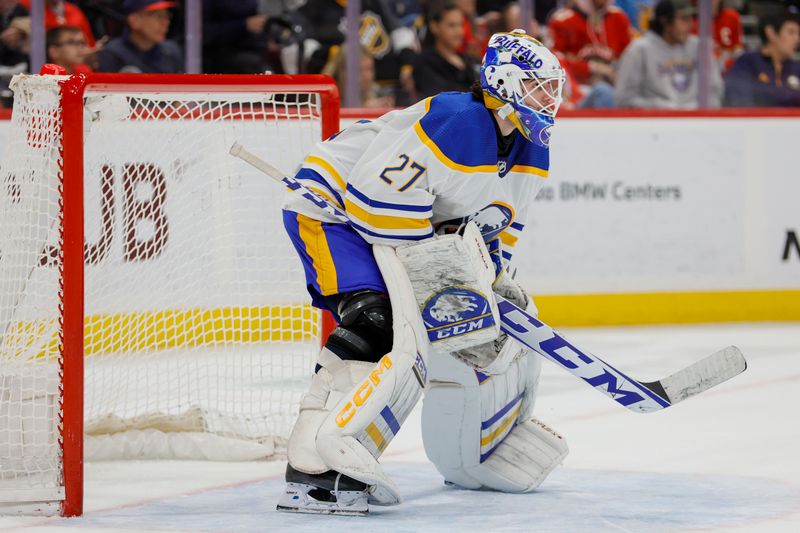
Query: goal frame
(71, 153)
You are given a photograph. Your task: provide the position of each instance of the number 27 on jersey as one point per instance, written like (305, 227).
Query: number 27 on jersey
(407, 173)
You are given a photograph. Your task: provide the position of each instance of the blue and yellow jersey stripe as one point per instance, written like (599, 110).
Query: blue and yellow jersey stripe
(527, 169)
(314, 181)
(387, 221)
(325, 168)
(316, 246)
(509, 237)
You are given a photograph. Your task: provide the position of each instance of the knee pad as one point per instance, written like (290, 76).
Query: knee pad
(477, 428)
(365, 330)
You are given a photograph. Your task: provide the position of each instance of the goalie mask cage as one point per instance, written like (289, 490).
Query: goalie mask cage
(151, 305)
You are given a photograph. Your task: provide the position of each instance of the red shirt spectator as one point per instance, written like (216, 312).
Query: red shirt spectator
(591, 32)
(474, 45)
(471, 45)
(728, 29)
(60, 13)
(727, 33)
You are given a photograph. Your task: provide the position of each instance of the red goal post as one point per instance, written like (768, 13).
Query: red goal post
(287, 109)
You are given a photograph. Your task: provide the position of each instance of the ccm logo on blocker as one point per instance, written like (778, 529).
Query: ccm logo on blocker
(456, 311)
(363, 392)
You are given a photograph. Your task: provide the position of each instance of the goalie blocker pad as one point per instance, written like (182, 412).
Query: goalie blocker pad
(477, 429)
(494, 357)
(452, 277)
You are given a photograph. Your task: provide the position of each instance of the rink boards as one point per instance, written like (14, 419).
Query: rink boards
(654, 219)
(664, 219)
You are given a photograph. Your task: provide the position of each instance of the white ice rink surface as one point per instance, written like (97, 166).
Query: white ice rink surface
(728, 460)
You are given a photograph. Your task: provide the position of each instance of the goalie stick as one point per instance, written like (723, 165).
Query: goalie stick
(638, 396)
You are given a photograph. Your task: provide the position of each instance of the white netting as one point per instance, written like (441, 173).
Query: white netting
(195, 317)
(30, 455)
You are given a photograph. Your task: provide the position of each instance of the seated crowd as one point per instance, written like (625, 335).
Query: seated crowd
(617, 53)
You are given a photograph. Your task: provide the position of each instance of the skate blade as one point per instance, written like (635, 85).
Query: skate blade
(328, 510)
(297, 499)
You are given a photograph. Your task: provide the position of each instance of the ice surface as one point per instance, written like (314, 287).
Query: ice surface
(724, 461)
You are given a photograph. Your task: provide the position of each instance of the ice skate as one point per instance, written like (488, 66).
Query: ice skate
(328, 493)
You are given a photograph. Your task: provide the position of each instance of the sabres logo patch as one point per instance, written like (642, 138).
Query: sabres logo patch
(456, 311)
(493, 219)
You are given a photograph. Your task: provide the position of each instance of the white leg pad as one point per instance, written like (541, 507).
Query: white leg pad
(347, 455)
(361, 425)
(477, 429)
(302, 448)
(329, 385)
(352, 430)
(524, 459)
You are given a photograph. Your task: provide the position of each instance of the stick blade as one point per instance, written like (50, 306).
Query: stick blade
(704, 374)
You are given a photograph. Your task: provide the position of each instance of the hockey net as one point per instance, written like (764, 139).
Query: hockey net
(183, 318)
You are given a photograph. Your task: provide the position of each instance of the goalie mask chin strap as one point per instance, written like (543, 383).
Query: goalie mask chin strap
(505, 111)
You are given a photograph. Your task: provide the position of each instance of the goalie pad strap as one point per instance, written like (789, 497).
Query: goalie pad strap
(368, 305)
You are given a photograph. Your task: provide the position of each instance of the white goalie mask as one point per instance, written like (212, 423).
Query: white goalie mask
(524, 81)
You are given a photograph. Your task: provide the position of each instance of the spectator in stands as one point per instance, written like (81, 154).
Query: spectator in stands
(372, 95)
(491, 9)
(769, 76)
(439, 67)
(61, 13)
(234, 37)
(392, 45)
(143, 46)
(589, 38)
(511, 18)
(636, 11)
(15, 28)
(727, 33)
(66, 46)
(14, 36)
(660, 69)
(475, 41)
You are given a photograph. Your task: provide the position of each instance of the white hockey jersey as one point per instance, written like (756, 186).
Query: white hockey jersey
(401, 175)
